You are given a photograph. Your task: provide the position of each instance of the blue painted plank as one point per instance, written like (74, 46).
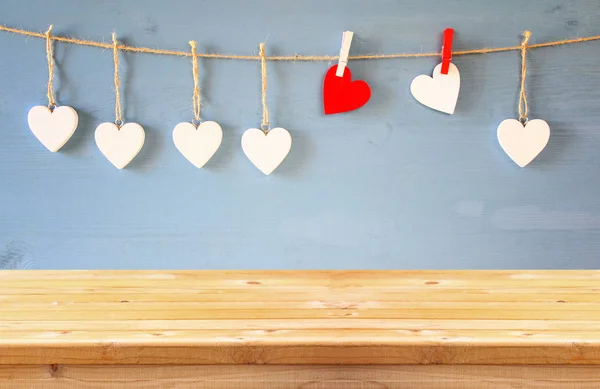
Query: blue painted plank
(393, 185)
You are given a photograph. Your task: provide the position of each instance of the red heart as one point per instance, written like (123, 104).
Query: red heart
(341, 94)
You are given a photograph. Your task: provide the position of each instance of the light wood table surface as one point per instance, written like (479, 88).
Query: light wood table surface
(300, 329)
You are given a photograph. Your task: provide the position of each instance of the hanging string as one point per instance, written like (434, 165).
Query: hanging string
(263, 70)
(50, 58)
(523, 108)
(196, 96)
(296, 57)
(118, 111)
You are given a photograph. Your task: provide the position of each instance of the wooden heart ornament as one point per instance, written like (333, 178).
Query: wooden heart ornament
(439, 92)
(198, 144)
(341, 94)
(521, 142)
(266, 150)
(53, 128)
(120, 145)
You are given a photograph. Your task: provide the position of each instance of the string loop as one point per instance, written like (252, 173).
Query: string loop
(263, 70)
(50, 59)
(523, 107)
(118, 112)
(196, 97)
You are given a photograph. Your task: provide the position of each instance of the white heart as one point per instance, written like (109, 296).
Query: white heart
(198, 145)
(521, 142)
(120, 145)
(52, 128)
(266, 151)
(439, 92)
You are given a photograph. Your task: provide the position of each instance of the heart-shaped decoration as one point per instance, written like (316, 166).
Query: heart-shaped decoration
(198, 144)
(266, 151)
(439, 92)
(341, 94)
(521, 142)
(53, 128)
(120, 145)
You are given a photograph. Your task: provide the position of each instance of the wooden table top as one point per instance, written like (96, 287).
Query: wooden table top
(300, 317)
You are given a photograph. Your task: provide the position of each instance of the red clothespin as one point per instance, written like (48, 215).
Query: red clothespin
(447, 50)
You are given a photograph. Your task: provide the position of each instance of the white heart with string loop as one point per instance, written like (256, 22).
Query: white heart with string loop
(53, 128)
(198, 144)
(521, 142)
(266, 150)
(439, 92)
(120, 145)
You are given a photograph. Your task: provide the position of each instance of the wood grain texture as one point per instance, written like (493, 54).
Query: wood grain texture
(319, 317)
(299, 377)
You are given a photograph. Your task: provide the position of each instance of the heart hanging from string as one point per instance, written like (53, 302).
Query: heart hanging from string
(197, 141)
(53, 126)
(522, 140)
(266, 148)
(119, 142)
(439, 92)
(340, 93)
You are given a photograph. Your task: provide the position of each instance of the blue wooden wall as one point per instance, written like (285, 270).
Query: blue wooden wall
(393, 185)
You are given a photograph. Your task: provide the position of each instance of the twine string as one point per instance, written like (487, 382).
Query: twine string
(50, 58)
(296, 57)
(523, 107)
(196, 96)
(118, 111)
(263, 70)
